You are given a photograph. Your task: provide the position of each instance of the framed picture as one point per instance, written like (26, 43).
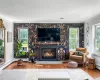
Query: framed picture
(9, 36)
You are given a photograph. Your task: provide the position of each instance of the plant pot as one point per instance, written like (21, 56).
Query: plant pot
(32, 59)
(20, 62)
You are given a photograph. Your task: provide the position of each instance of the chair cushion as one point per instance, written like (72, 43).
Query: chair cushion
(76, 57)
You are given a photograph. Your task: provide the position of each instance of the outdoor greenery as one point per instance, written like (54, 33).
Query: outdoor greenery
(97, 39)
(24, 37)
(32, 54)
(1, 49)
(73, 38)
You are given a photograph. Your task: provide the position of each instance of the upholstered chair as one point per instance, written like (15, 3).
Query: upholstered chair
(81, 59)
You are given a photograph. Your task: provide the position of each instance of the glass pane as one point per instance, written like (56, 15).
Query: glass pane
(73, 38)
(23, 33)
(23, 36)
(97, 39)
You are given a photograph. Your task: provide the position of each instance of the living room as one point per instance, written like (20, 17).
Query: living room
(50, 36)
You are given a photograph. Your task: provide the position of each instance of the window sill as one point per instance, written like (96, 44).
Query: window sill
(96, 54)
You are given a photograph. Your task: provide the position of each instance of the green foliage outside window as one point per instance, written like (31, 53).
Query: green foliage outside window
(24, 37)
(97, 39)
(73, 38)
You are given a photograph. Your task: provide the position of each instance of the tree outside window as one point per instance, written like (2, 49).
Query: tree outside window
(73, 38)
(23, 36)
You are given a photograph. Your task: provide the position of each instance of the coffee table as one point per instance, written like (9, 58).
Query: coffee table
(53, 76)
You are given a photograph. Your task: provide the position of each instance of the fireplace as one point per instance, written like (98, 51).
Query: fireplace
(48, 54)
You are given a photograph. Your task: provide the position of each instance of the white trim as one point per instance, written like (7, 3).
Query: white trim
(96, 24)
(6, 64)
(77, 38)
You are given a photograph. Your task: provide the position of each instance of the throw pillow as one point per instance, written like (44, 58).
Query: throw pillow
(76, 53)
(79, 53)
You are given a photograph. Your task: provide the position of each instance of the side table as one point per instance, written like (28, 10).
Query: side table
(91, 63)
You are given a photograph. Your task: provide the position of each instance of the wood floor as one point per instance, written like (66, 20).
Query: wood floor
(28, 65)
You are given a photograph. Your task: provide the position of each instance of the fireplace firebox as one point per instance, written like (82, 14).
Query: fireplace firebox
(48, 53)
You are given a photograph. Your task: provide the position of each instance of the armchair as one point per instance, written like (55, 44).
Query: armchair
(80, 59)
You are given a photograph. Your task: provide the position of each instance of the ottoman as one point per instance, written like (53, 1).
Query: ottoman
(72, 64)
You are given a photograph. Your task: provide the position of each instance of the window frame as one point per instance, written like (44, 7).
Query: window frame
(77, 39)
(19, 38)
(95, 26)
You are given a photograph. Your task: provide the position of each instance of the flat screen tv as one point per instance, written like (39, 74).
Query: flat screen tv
(48, 34)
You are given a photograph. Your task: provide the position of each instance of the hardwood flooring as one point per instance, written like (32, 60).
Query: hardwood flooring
(28, 65)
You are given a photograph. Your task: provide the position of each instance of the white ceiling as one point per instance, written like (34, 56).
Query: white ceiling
(49, 10)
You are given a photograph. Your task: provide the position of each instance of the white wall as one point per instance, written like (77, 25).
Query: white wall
(9, 46)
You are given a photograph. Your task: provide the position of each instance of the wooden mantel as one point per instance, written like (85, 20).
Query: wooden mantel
(49, 43)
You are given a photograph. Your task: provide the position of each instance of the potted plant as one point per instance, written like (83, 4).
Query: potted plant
(19, 52)
(32, 56)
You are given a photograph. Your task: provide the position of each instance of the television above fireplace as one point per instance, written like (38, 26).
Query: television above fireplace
(48, 34)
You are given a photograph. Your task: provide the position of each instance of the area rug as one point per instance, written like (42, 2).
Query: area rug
(38, 74)
(97, 78)
(48, 62)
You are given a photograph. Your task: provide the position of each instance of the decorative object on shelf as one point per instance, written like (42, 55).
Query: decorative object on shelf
(9, 36)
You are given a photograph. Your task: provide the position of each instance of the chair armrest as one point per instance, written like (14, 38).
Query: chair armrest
(71, 53)
(85, 56)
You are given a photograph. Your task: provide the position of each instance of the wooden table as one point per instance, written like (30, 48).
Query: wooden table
(91, 62)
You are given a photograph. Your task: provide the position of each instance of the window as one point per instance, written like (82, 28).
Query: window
(73, 38)
(23, 36)
(97, 39)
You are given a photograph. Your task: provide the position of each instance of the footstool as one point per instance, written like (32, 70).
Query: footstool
(72, 64)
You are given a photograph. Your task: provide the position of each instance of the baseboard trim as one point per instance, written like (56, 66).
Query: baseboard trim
(98, 67)
(6, 64)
